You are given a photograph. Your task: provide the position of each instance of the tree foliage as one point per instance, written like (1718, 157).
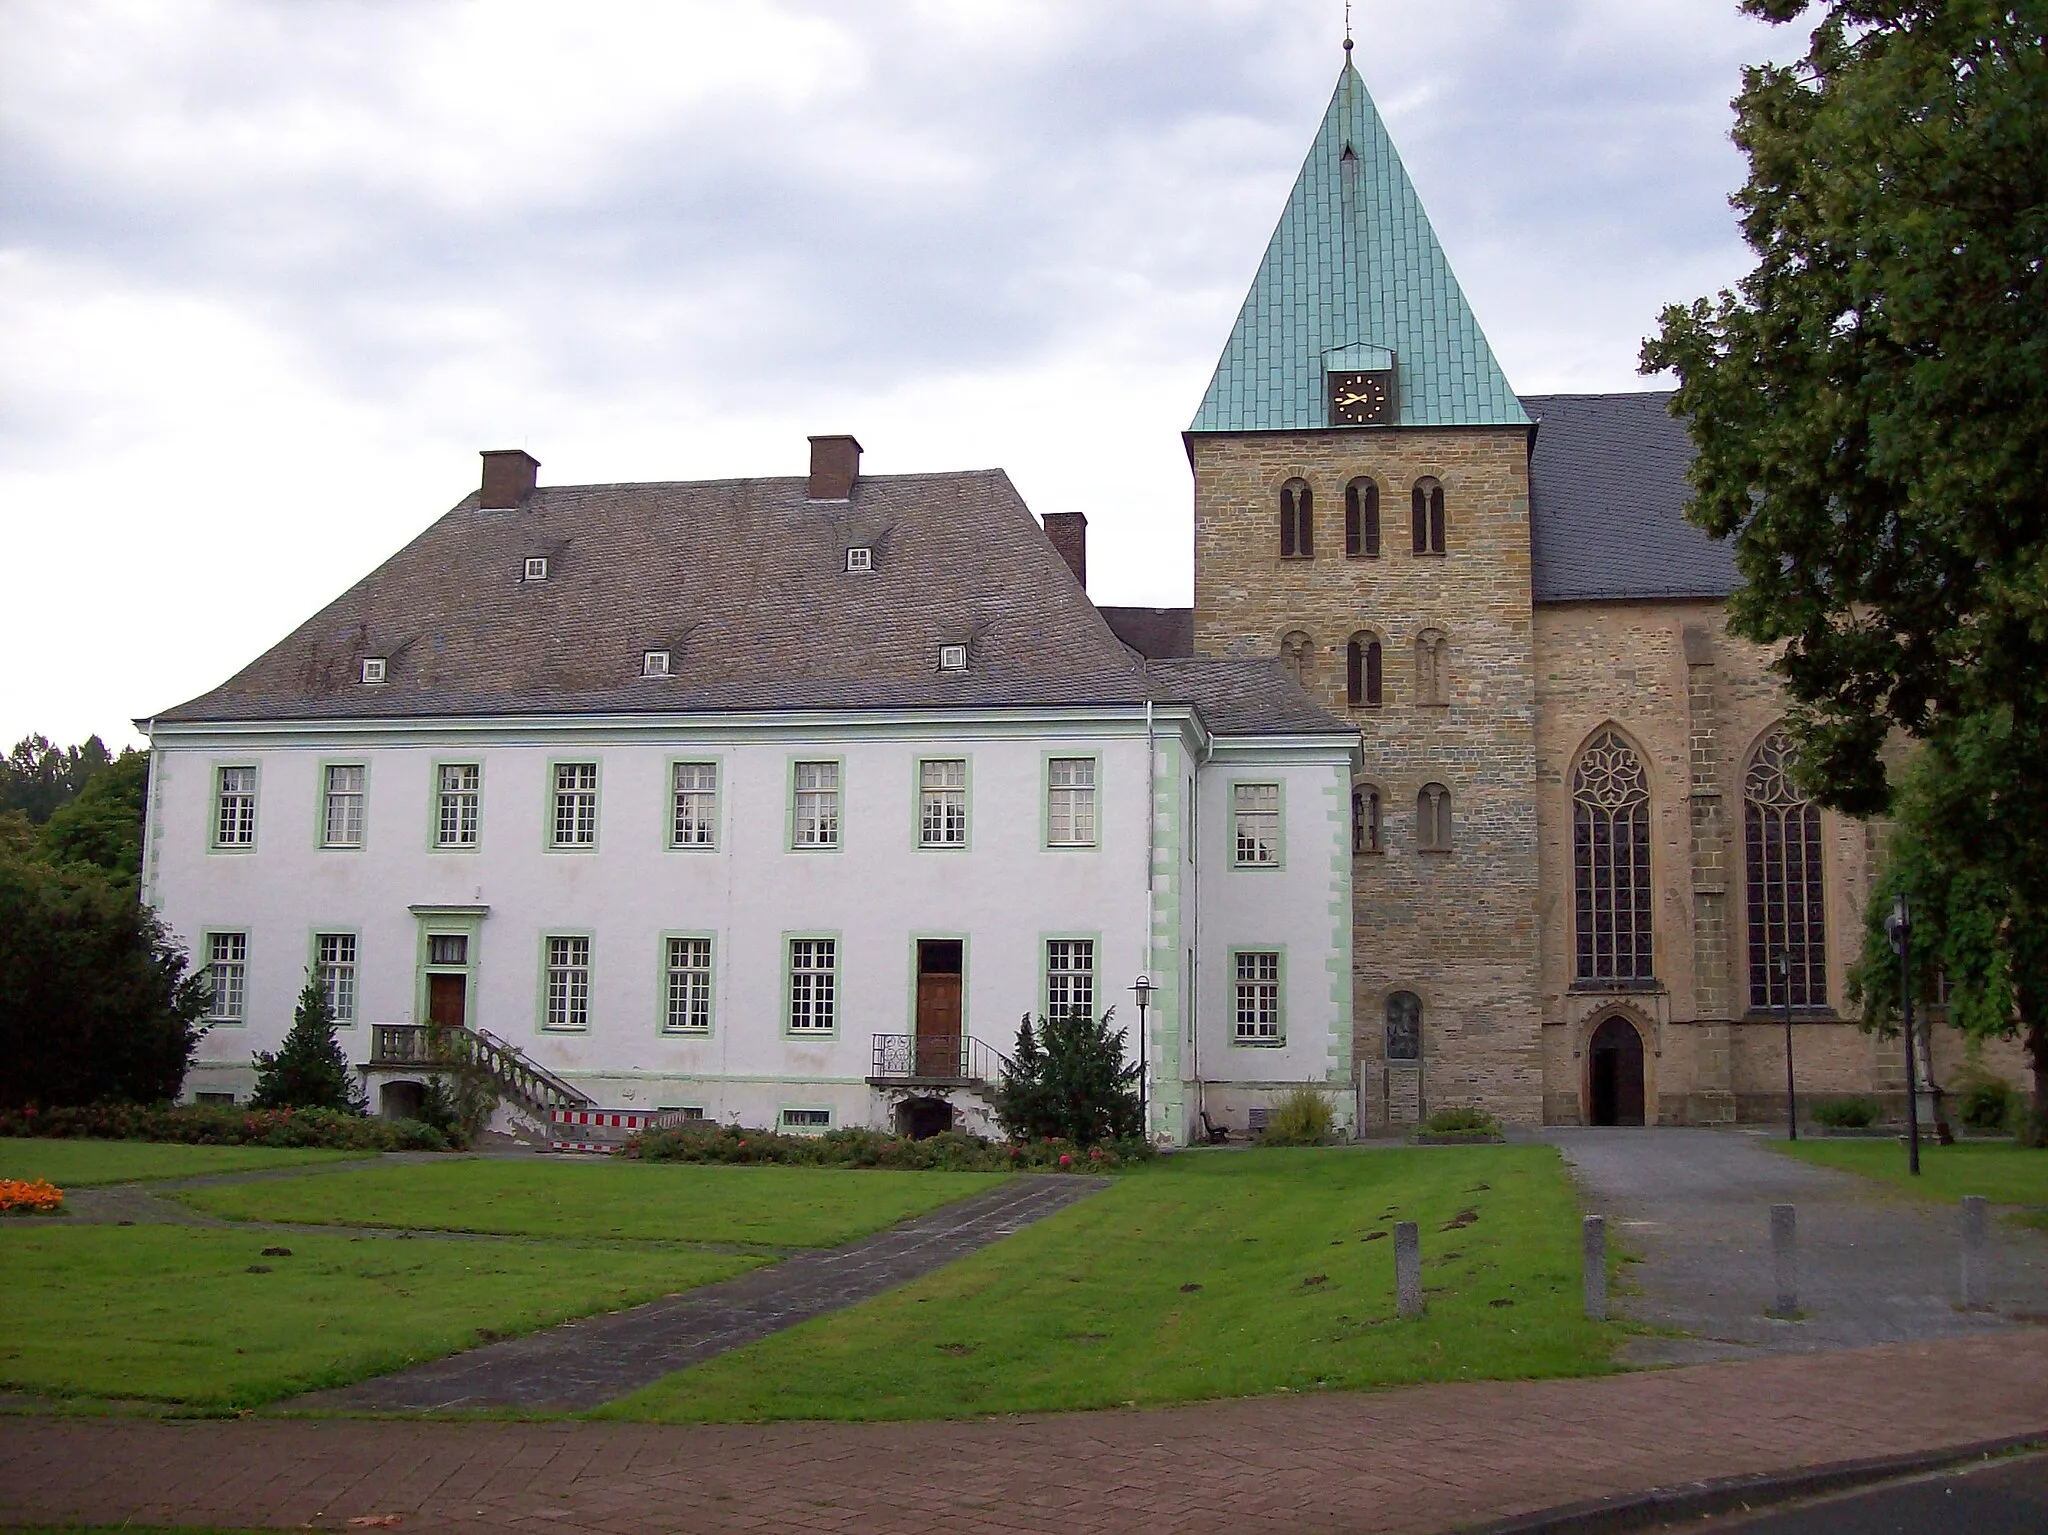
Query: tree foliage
(38, 775)
(101, 825)
(1972, 819)
(95, 1000)
(1868, 406)
(309, 1070)
(1068, 1081)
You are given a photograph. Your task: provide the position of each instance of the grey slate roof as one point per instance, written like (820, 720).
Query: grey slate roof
(1154, 633)
(1244, 698)
(742, 581)
(1607, 494)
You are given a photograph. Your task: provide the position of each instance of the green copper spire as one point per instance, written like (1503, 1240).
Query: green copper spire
(1354, 279)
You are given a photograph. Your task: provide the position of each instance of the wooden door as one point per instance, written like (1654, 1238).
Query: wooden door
(448, 999)
(938, 1007)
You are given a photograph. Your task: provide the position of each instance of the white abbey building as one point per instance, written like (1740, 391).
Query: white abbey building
(777, 800)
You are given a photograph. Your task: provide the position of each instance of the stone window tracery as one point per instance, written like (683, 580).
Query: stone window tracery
(1297, 521)
(1433, 819)
(1404, 1026)
(1787, 906)
(1295, 651)
(1611, 862)
(1364, 671)
(1428, 516)
(1362, 519)
(1432, 668)
(1365, 819)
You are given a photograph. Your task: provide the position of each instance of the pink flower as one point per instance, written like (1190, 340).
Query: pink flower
(1065, 1160)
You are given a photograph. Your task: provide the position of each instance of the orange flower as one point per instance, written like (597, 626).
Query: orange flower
(39, 1197)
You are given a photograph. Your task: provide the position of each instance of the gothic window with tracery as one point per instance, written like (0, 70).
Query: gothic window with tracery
(1786, 905)
(1362, 519)
(1611, 861)
(1404, 1026)
(1364, 671)
(1432, 667)
(1297, 521)
(1295, 649)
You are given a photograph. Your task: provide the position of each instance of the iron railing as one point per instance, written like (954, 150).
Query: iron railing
(424, 1046)
(913, 1058)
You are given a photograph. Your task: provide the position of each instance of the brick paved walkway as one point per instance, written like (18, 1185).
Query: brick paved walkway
(1421, 1460)
(581, 1364)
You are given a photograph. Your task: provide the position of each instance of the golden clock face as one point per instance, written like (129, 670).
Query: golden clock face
(1361, 399)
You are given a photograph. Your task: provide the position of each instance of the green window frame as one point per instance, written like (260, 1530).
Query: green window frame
(688, 984)
(337, 965)
(942, 818)
(227, 976)
(1072, 800)
(1257, 824)
(233, 819)
(817, 804)
(810, 988)
(1069, 976)
(804, 1119)
(1258, 997)
(693, 788)
(344, 805)
(457, 824)
(573, 805)
(566, 971)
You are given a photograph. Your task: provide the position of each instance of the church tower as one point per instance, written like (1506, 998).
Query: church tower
(1362, 512)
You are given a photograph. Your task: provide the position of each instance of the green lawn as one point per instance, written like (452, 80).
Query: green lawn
(667, 1202)
(1999, 1170)
(1211, 1274)
(180, 1316)
(75, 1164)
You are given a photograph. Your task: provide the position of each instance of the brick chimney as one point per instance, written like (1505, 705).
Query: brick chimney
(835, 465)
(1069, 534)
(509, 477)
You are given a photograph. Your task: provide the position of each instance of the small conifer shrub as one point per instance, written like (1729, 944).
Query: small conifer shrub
(309, 1070)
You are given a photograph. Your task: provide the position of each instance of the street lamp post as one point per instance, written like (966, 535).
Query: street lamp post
(1899, 929)
(1143, 990)
(1785, 1005)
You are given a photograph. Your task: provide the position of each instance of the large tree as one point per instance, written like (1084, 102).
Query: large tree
(1869, 404)
(38, 775)
(102, 825)
(1961, 853)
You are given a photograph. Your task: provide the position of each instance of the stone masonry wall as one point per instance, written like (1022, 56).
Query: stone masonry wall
(1457, 928)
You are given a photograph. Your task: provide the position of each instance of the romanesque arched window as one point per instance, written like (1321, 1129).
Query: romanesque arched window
(1786, 905)
(1297, 520)
(1364, 671)
(1362, 519)
(1295, 650)
(1611, 861)
(1432, 667)
(1428, 517)
(1433, 819)
(1404, 1026)
(1365, 819)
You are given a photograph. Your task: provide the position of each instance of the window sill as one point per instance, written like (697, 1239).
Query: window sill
(1365, 708)
(825, 1035)
(1434, 852)
(1602, 985)
(1368, 852)
(1309, 556)
(1257, 1044)
(548, 1028)
(685, 1033)
(815, 847)
(1372, 554)
(1799, 1015)
(1259, 868)
(1070, 847)
(1430, 554)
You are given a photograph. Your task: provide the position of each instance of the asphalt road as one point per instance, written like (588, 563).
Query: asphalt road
(2000, 1497)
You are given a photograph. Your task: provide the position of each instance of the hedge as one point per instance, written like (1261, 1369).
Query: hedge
(193, 1125)
(951, 1152)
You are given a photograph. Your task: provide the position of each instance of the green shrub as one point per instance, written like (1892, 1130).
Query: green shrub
(1069, 1081)
(309, 1070)
(1462, 1121)
(703, 1141)
(1846, 1113)
(195, 1126)
(1986, 1102)
(1302, 1118)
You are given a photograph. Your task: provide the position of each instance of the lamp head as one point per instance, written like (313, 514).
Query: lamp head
(1143, 987)
(1898, 927)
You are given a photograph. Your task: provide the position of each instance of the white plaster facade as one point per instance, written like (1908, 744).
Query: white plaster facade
(1169, 903)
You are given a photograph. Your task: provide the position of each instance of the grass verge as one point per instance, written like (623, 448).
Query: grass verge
(1209, 1275)
(200, 1318)
(613, 1199)
(2003, 1172)
(76, 1164)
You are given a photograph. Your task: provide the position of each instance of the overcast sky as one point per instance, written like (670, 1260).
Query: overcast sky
(271, 274)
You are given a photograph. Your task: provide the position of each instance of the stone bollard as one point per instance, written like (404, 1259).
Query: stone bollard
(1596, 1267)
(1408, 1268)
(1976, 1261)
(1785, 1259)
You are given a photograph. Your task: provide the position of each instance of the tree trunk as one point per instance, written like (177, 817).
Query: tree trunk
(2035, 1131)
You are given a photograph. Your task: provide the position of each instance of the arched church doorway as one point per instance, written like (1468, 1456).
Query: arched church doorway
(1616, 1055)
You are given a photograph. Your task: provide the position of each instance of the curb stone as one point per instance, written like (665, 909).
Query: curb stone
(1630, 1512)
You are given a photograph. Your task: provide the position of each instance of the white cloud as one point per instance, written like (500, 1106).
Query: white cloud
(271, 274)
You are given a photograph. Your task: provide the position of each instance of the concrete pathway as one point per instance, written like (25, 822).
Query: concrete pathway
(1409, 1462)
(1875, 1266)
(583, 1364)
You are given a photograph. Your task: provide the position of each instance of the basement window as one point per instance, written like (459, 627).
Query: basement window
(802, 1120)
(654, 663)
(860, 558)
(952, 658)
(373, 669)
(537, 568)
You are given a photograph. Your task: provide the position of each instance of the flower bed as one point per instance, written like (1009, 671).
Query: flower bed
(37, 1196)
(195, 1126)
(871, 1148)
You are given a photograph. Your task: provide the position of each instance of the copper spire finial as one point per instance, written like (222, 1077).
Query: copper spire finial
(1347, 28)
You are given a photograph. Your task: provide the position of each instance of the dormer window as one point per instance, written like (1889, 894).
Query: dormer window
(537, 568)
(952, 658)
(654, 663)
(860, 558)
(373, 669)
